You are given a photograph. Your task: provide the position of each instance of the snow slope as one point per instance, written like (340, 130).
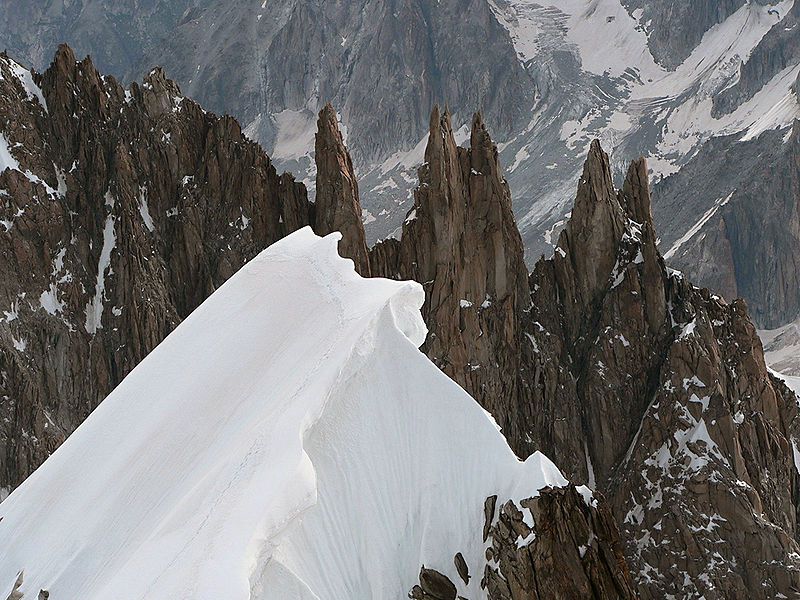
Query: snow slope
(288, 440)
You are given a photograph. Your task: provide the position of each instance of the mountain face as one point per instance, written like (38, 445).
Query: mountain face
(121, 211)
(659, 79)
(245, 496)
(778, 50)
(649, 390)
(746, 242)
(674, 28)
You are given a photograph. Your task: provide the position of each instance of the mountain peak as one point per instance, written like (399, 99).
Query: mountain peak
(338, 207)
(635, 195)
(590, 240)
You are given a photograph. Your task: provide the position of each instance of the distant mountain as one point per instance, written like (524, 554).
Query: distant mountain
(658, 79)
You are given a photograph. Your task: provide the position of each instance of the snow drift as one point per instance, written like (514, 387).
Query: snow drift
(287, 441)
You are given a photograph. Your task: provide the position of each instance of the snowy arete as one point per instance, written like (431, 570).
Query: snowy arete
(287, 441)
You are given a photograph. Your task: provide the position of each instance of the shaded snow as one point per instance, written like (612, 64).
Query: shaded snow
(94, 310)
(26, 79)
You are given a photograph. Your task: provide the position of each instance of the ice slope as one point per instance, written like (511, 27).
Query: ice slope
(288, 440)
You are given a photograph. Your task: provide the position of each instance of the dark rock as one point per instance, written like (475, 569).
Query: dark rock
(436, 586)
(461, 567)
(574, 550)
(461, 242)
(488, 515)
(652, 390)
(337, 206)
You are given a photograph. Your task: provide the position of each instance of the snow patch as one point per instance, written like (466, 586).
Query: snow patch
(144, 211)
(94, 309)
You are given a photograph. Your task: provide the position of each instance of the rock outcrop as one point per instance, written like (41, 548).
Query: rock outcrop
(121, 211)
(647, 388)
(461, 242)
(337, 206)
(561, 544)
(572, 550)
(681, 424)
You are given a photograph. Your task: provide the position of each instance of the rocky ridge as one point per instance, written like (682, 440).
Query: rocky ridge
(642, 385)
(550, 76)
(121, 211)
(460, 241)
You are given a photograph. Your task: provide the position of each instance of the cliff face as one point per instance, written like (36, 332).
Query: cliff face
(747, 244)
(121, 210)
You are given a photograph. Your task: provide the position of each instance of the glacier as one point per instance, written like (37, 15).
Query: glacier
(287, 441)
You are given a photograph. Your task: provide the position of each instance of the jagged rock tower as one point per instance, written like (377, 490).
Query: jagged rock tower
(337, 204)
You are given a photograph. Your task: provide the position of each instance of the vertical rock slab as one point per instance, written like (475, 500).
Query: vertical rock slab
(337, 204)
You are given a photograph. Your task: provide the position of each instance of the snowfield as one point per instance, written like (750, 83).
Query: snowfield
(287, 441)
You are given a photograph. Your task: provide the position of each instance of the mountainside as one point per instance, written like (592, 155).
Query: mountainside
(121, 210)
(658, 79)
(232, 482)
(731, 218)
(643, 387)
(638, 383)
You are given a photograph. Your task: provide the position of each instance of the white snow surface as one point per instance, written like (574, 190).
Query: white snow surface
(26, 79)
(287, 441)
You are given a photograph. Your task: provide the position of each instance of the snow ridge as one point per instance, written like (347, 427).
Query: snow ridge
(288, 440)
